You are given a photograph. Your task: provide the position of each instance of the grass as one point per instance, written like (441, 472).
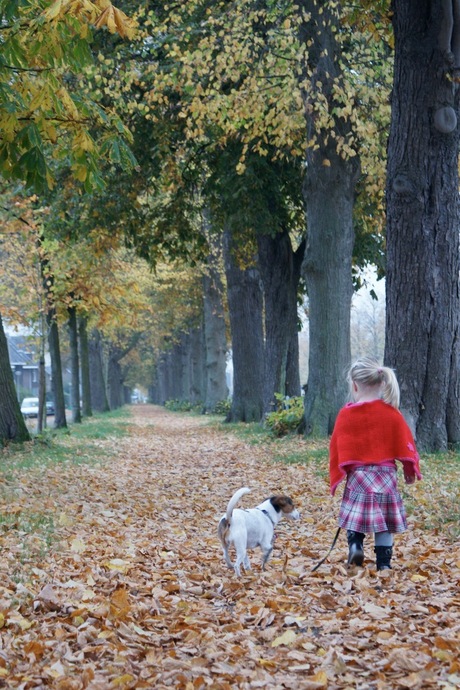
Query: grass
(59, 445)
(54, 448)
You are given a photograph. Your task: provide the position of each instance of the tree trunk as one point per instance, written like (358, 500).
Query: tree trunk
(184, 372)
(60, 421)
(422, 291)
(215, 339)
(74, 365)
(293, 387)
(41, 418)
(158, 389)
(280, 280)
(197, 365)
(214, 324)
(84, 365)
(99, 402)
(245, 305)
(329, 192)
(12, 424)
(114, 378)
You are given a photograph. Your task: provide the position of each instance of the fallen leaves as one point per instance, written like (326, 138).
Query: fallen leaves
(131, 589)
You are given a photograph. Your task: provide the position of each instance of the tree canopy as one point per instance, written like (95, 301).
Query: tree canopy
(46, 113)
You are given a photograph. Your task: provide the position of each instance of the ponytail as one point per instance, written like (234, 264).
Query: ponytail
(368, 372)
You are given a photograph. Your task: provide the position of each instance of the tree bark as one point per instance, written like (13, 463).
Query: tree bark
(60, 421)
(245, 303)
(74, 365)
(84, 365)
(422, 290)
(293, 386)
(41, 418)
(114, 378)
(158, 390)
(115, 373)
(329, 192)
(197, 365)
(280, 281)
(215, 332)
(99, 402)
(215, 339)
(12, 424)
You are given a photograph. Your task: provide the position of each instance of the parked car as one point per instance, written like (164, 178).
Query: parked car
(29, 407)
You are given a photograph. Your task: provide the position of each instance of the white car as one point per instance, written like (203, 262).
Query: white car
(29, 407)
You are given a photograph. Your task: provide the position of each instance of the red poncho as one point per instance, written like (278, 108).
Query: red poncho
(370, 433)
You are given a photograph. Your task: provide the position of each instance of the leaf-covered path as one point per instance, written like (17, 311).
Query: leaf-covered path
(133, 591)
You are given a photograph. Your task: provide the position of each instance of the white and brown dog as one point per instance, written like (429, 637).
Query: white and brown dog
(246, 529)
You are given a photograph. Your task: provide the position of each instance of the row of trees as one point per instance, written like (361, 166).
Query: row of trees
(262, 127)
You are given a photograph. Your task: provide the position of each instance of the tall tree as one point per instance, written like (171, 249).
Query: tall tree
(245, 303)
(99, 400)
(280, 272)
(72, 327)
(84, 365)
(12, 425)
(422, 285)
(214, 330)
(285, 80)
(42, 45)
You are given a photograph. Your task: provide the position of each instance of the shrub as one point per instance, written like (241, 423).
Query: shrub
(222, 407)
(287, 416)
(183, 406)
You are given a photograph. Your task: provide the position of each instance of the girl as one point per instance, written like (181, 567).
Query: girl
(370, 434)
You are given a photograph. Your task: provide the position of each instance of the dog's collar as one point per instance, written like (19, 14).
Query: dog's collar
(265, 512)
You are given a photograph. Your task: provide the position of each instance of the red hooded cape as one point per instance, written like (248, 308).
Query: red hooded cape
(369, 433)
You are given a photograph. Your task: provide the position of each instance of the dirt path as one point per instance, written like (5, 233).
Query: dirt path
(135, 592)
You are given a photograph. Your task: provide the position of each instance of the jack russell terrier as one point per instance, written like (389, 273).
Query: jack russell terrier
(246, 529)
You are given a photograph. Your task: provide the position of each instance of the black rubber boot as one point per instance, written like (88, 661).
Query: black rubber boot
(383, 557)
(355, 548)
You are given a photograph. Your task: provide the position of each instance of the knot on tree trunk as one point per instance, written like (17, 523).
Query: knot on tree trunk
(403, 184)
(445, 119)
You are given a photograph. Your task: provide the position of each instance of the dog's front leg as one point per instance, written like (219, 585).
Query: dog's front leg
(266, 557)
(267, 548)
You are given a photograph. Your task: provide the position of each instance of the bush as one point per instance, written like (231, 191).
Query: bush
(183, 406)
(222, 407)
(287, 416)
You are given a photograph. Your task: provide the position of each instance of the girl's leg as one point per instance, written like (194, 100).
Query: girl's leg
(383, 550)
(383, 539)
(355, 547)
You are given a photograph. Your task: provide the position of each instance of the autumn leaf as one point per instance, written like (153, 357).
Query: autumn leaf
(286, 638)
(149, 601)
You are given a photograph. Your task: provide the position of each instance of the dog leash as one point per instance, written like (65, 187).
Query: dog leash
(334, 542)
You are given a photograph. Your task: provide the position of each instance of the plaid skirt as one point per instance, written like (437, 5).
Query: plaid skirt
(371, 501)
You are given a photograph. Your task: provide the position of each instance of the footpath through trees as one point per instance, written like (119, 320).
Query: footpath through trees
(121, 582)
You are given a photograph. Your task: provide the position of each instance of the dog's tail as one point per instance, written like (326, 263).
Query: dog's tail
(234, 500)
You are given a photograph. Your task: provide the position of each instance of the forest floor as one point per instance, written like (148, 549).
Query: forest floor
(112, 575)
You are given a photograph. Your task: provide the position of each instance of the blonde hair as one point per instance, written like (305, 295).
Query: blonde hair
(368, 372)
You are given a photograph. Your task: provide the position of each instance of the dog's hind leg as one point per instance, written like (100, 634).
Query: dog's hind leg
(227, 558)
(241, 560)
